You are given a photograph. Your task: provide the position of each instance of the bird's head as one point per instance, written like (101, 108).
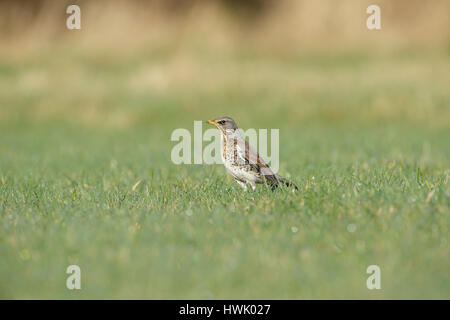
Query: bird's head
(224, 124)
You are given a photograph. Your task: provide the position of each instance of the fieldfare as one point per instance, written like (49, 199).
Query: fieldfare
(241, 161)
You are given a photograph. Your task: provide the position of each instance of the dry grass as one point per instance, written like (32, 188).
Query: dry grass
(286, 26)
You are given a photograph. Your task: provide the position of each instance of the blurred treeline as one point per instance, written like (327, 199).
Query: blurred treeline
(291, 25)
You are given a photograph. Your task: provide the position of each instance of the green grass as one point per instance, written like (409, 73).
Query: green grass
(364, 136)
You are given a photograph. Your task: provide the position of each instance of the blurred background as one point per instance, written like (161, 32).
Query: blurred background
(193, 55)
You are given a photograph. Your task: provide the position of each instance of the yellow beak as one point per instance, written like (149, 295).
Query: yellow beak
(212, 122)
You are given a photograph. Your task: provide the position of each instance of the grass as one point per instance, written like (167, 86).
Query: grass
(364, 136)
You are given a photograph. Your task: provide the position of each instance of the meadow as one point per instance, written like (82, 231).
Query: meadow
(86, 176)
(364, 136)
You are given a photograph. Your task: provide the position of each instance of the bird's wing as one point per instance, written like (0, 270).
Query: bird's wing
(251, 156)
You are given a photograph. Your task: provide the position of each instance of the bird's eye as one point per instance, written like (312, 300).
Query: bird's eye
(222, 122)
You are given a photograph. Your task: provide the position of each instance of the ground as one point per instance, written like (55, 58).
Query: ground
(364, 135)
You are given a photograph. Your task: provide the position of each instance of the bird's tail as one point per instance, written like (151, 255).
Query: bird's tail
(286, 182)
(275, 180)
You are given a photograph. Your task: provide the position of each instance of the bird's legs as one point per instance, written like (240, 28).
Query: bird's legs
(242, 184)
(253, 185)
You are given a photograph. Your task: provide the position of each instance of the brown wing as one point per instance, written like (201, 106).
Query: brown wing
(253, 158)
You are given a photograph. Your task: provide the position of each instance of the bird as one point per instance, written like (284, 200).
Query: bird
(242, 162)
